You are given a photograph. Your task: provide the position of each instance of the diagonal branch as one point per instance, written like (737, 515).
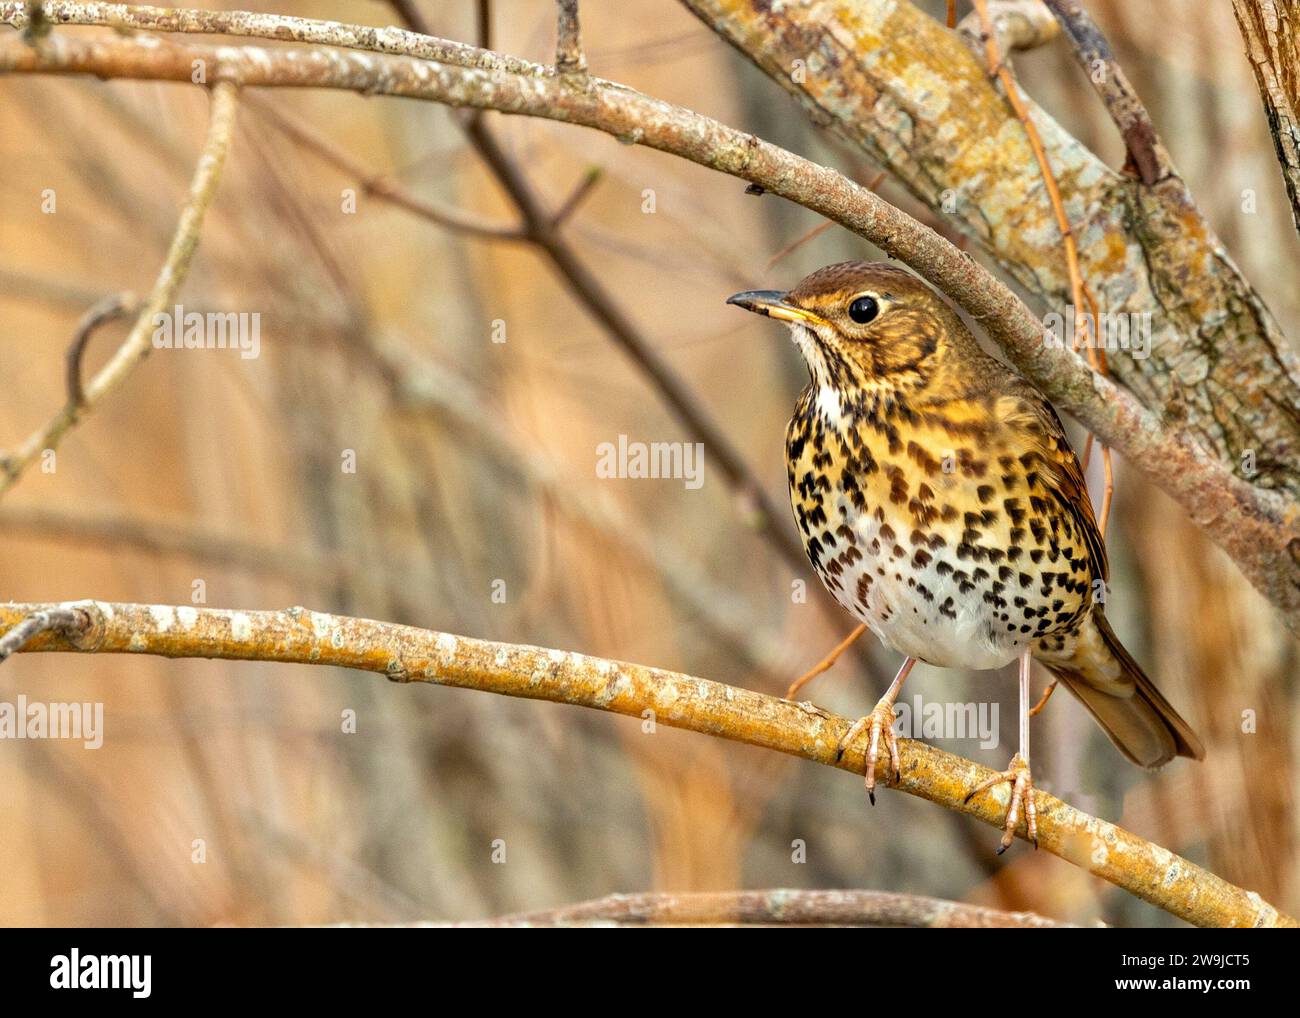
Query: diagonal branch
(381, 187)
(136, 346)
(1147, 156)
(406, 654)
(1258, 527)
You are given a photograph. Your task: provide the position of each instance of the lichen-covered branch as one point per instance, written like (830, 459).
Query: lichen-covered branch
(1271, 31)
(1258, 527)
(137, 345)
(405, 654)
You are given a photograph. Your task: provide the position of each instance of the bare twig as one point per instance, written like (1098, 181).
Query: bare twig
(798, 242)
(783, 907)
(577, 196)
(380, 187)
(163, 537)
(114, 306)
(826, 663)
(137, 346)
(406, 654)
(1147, 156)
(568, 41)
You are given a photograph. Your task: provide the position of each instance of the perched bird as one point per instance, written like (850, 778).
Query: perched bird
(941, 504)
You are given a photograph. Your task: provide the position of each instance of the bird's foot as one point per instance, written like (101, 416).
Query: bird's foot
(1022, 797)
(879, 722)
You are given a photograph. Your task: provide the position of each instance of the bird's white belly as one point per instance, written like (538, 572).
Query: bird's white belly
(949, 628)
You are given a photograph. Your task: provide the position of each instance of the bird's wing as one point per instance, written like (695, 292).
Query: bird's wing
(1027, 410)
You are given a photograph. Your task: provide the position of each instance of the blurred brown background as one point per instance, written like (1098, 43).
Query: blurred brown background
(478, 466)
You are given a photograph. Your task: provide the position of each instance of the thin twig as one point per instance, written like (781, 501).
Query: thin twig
(799, 242)
(568, 40)
(112, 307)
(817, 230)
(406, 654)
(577, 196)
(1147, 157)
(826, 663)
(381, 187)
(136, 346)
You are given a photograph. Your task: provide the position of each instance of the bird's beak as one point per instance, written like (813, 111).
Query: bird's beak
(774, 304)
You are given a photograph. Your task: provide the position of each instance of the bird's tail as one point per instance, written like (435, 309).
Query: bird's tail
(1096, 668)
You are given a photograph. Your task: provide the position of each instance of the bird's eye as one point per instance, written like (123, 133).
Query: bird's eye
(864, 309)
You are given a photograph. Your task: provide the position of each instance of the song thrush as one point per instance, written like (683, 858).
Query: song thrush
(941, 504)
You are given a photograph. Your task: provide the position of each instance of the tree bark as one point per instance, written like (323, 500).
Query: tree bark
(1271, 31)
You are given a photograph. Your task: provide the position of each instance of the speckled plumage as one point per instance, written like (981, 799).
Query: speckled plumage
(941, 504)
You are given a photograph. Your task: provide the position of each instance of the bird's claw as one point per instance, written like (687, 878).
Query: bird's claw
(1022, 795)
(880, 720)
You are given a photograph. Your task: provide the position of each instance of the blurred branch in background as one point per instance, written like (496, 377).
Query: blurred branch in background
(781, 907)
(1253, 523)
(405, 654)
(1271, 30)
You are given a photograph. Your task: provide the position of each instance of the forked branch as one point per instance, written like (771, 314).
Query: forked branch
(137, 345)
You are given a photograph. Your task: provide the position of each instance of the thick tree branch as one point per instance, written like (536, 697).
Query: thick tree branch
(137, 345)
(406, 654)
(1271, 30)
(1259, 528)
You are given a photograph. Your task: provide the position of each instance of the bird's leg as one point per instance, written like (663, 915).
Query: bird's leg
(1017, 773)
(880, 720)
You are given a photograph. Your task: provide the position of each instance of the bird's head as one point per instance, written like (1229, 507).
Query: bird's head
(864, 326)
